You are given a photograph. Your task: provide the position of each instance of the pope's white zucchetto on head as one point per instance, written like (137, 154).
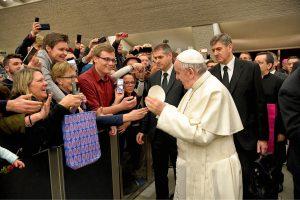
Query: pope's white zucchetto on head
(191, 56)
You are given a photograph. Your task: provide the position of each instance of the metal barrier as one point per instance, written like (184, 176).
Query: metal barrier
(57, 173)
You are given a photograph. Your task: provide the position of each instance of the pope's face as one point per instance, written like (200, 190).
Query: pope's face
(183, 75)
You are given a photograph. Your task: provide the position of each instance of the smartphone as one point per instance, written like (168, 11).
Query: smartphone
(148, 68)
(120, 86)
(123, 34)
(134, 52)
(78, 38)
(36, 19)
(146, 50)
(102, 39)
(45, 27)
(74, 88)
(33, 98)
(29, 55)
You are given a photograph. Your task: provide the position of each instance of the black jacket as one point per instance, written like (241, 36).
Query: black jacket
(173, 96)
(27, 42)
(289, 102)
(247, 93)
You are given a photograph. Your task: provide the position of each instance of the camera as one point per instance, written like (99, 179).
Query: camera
(145, 50)
(102, 39)
(134, 52)
(43, 26)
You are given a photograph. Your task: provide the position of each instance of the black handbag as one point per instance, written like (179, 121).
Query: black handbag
(262, 181)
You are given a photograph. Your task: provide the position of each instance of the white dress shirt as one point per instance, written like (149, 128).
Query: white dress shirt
(230, 66)
(169, 74)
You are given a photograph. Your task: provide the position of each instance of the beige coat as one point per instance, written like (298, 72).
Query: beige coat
(208, 166)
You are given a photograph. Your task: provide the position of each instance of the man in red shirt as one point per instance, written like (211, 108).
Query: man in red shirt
(98, 86)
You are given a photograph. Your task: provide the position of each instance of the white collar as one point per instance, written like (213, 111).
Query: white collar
(230, 64)
(169, 71)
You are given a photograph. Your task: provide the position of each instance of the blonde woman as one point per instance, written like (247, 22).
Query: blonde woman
(32, 81)
(39, 136)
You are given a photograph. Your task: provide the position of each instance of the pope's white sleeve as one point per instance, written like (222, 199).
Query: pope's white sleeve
(180, 126)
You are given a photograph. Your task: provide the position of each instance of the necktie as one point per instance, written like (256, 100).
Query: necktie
(225, 79)
(164, 84)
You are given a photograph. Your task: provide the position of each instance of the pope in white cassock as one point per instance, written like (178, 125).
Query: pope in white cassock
(207, 166)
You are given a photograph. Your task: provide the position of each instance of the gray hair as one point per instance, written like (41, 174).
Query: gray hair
(199, 68)
(222, 37)
(163, 46)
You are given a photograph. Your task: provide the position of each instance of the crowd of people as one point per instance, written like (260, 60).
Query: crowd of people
(219, 117)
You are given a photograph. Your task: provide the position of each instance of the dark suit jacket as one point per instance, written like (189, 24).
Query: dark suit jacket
(289, 102)
(280, 75)
(247, 93)
(174, 94)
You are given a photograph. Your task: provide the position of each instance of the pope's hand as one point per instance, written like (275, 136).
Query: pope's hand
(154, 105)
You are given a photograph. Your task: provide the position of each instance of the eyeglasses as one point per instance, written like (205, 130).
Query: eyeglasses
(129, 82)
(108, 59)
(71, 77)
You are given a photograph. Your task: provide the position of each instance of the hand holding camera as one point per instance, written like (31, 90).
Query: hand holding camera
(93, 42)
(35, 29)
(120, 36)
(138, 68)
(42, 26)
(78, 41)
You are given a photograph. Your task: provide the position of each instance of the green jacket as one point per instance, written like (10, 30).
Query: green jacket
(12, 124)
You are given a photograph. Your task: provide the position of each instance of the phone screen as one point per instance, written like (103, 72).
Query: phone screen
(102, 39)
(120, 86)
(74, 88)
(45, 27)
(78, 38)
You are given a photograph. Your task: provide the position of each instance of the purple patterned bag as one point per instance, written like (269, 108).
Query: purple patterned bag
(81, 142)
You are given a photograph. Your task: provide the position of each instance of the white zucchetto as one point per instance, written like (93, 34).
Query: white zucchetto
(190, 56)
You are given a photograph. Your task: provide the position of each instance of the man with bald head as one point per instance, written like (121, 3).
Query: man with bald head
(208, 166)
